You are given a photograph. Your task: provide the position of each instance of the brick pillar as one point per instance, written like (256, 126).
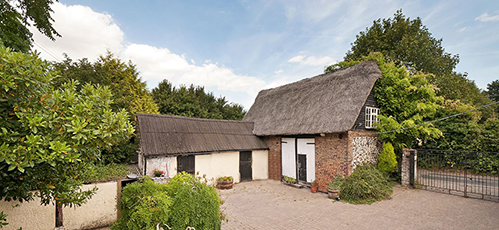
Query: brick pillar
(409, 167)
(274, 144)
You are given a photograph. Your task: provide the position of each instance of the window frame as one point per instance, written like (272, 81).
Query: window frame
(371, 117)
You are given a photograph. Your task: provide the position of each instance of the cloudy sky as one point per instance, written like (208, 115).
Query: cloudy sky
(237, 48)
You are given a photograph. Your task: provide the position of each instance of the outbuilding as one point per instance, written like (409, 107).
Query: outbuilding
(319, 127)
(214, 148)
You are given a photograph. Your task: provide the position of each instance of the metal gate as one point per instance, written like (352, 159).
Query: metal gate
(470, 174)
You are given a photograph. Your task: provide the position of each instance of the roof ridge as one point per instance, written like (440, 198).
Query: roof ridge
(191, 118)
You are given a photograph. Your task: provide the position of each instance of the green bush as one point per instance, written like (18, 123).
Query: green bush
(106, 172)
(366, 185)
(183, 202)
(143, 206)
(195, 204)
(387, 161)
(336, 183)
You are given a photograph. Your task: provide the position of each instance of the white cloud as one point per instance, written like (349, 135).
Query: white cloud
(278, 71)
(312, 60)
(85, 33)
(486, 18)
(463, 29)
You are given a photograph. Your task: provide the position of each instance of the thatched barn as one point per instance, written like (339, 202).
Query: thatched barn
(215, 148)
(319, 127)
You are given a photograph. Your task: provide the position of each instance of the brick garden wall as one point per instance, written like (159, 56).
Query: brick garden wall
(274, 144)
(331, 158)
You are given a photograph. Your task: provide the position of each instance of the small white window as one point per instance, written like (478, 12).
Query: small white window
(371, 117)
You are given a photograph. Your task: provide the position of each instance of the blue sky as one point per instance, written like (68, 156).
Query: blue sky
(237, 48)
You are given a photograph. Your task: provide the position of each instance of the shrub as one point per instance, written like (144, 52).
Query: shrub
(195, 204)
(143, 206)
(225, 178)
(387, 161)
(366, 185)
(106, 172)
(288, 179)
(335, 183)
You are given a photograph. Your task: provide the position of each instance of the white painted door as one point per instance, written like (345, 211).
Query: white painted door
(288, 159)
(306, 146)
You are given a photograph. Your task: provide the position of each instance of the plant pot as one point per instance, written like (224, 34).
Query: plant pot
(224, 184)
(313, 188)
(333, 194)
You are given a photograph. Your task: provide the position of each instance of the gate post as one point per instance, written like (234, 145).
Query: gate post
(408, 167)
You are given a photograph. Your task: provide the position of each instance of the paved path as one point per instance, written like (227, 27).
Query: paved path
(271, 205)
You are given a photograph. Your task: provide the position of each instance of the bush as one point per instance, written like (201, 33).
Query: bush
(366, 185)
(195, 204)
(143, 206)
(335, 183)
(387, 161)
(183, 202)
(106, 172)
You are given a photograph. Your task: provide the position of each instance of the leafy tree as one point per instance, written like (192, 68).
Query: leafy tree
(51, 137)
(194, 102)
(387, 161)
(493, 90)
(409, 43)
(405, 100)
(13, 24)
(129, 93)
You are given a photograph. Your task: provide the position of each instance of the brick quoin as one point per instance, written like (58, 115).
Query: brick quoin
(274, 144)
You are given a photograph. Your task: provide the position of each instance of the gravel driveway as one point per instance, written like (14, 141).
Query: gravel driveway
(270, 205)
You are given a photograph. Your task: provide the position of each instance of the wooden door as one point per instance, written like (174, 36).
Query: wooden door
(302, 167)
(245, 165)
(186, 164)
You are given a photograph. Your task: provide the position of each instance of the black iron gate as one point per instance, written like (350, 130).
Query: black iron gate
(470, 174)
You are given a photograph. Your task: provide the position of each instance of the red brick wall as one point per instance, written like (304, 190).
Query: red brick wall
(274, 144)
(331, 158)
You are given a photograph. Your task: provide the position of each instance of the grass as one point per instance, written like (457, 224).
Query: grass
(107, 172)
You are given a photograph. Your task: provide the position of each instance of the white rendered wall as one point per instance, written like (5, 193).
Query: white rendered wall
(166, 164)
(260, 164)
(288, 157)
(217, 165)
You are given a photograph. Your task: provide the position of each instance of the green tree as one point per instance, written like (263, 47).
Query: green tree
(13, 24)
(405, 100)
(387, 161)
(493, 90)
(129, 93)
(409, 43)
(193, 101)
(51, 137)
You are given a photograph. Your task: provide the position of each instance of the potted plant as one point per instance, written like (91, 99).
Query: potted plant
(334, 187)
(225, 182)
(158, 173)
(313, 186)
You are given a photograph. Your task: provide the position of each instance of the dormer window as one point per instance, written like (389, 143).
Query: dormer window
(371, 117)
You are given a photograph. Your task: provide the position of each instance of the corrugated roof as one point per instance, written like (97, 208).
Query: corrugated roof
(172, 135)
(327, 103)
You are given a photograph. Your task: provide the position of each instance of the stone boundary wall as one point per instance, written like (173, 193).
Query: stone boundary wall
(99, 211)
(405, 169)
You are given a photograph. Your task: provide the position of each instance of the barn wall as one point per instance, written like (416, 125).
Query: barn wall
(166, 164)
(260, 164)
(217, 165)
(364, 146)
(332, 158)
(274, 144)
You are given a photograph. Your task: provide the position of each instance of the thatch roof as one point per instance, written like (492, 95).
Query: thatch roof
(175, 135)
(327, 103)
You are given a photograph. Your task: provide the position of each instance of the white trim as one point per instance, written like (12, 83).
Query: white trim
(371, 117)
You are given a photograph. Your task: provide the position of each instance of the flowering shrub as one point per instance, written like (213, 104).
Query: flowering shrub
(158, 173)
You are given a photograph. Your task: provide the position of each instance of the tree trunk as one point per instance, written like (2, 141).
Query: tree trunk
(58, 214)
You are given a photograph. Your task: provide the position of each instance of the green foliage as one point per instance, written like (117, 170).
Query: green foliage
(336, 183)
(194, 102)
(183, 202)
(144, 205)
(194, 204)
(366, 185)
(404, 99)
(288, 179)
(493, 90)
(106, 172)
(3, 219)
(14, 23)
(129, 93)
(225, 178)
(387, 161)
(50, 137)
(409, 43)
